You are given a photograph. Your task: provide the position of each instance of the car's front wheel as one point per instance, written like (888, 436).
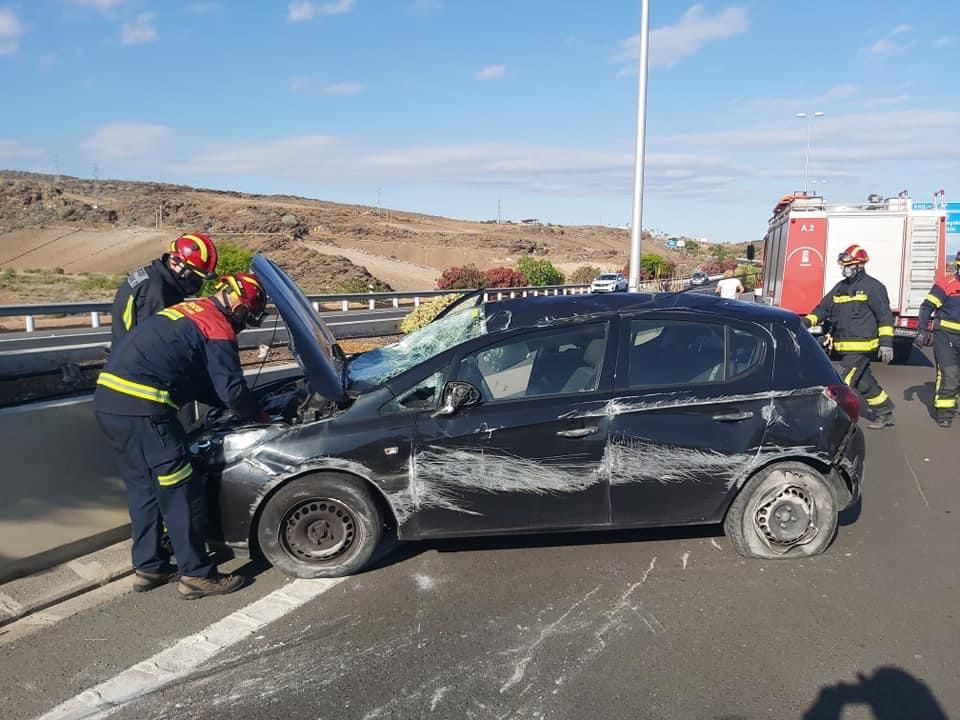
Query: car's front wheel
(321, 525)
(787, 510)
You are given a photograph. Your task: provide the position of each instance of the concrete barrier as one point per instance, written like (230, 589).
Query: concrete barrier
(62, 496)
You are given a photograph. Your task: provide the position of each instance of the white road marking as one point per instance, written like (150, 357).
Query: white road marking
(188, 654)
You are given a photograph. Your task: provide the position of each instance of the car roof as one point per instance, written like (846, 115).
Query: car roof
(545, 310)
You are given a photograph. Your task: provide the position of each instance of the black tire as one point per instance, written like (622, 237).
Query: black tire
(902, 349)
(807, 498)
(320, 526)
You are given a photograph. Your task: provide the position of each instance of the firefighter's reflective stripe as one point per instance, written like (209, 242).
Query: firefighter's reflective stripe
(849, 378)
(177, 477)
(878, 399)
(814, 320)
(126, 387)
(934, 300)
(885, 331)
(840, 299)
(944, 403)
(949, 325)
(171, 314)
(856, 345)
(128, 314)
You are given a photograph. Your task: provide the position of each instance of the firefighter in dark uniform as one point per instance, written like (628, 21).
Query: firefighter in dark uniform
(177, 275)
(945, 337)
(858, 310)
(184, 353)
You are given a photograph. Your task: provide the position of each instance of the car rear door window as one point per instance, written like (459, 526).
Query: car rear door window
(555, 362)
(688, 352)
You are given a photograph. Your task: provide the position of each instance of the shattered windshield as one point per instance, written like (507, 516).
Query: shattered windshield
(374, 368)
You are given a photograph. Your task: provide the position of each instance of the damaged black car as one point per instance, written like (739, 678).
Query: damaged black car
(538, 415)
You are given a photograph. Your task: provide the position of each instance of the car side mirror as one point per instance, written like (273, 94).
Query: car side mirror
(457, 395)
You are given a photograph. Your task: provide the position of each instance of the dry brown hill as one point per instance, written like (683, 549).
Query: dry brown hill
(72, 226)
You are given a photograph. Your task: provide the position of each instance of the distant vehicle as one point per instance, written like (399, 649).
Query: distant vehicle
(609, 282)
(906, 241)
(538, 414)
(699, 278)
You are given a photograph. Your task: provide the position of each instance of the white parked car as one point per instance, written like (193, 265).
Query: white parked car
(609, 282)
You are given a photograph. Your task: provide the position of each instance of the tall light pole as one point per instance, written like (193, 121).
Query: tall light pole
(806, 162)
(637, 221)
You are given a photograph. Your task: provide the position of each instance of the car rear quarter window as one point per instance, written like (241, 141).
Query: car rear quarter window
(745, 351)
(554, 362)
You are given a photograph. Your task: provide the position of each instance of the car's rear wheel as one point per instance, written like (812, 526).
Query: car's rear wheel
(322, 525)
(787, 510)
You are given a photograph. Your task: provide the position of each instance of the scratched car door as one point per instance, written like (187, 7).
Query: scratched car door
(515, 461)
(689, 418)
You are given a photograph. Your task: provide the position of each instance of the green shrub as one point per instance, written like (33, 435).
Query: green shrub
(539, 273)
(467, 277)
(230, 259)
(424, 315)
(356, 285)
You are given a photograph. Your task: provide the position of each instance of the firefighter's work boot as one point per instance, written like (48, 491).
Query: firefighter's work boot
(144, 581)
(944, 421)
(881, 421)
(191, 588)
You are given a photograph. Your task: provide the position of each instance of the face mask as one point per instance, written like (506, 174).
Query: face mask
(850, 271)
(189, 282)
(238, 317)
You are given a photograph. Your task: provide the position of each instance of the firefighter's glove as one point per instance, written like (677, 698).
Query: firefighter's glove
(807, 323)
(886, 355)
(924, 339)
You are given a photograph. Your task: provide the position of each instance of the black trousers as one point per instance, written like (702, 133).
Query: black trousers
(855, 371)
(946, 352)
(154, 462)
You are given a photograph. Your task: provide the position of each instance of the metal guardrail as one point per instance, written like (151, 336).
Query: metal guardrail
(346, 301)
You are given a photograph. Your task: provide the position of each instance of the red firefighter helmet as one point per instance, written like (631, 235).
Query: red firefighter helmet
(197, 252)
(853, 255)
(247, 287)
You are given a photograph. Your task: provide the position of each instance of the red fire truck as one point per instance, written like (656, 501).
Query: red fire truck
(906, 241)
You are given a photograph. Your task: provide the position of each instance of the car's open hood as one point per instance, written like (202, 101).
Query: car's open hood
(311, 340)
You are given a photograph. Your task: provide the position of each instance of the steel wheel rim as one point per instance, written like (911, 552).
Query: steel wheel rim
(786, 517)
(319, 530)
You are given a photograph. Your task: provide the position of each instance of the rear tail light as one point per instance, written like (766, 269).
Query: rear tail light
(846, 398)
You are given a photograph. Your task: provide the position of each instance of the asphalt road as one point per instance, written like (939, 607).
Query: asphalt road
(608, 625)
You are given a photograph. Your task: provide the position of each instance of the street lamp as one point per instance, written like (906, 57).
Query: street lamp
(635, 227)
(806, 162)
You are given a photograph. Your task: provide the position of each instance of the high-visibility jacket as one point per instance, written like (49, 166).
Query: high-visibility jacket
(183, 353)
(859, 311)
(145, 292)
(945, 300)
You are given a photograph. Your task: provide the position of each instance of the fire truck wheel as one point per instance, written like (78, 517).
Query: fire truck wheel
(902, 350)
(787, 510)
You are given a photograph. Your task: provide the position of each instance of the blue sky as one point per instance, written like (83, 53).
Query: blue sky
(451, 105)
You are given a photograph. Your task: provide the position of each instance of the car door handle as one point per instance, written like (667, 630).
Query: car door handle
(577, 433)
(734, 417)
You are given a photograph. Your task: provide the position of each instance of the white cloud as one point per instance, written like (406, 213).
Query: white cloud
(344, 88)
(491, 72)
(841, 92)
(305, 10)
(300, 11)
(888, 44)
(14, 150)
(10, 32)
(426, 6)
(103, 6)
(942, 41)
(671, 43)
(140, 31)
(122, 141)
(298, 84)
(287, 157)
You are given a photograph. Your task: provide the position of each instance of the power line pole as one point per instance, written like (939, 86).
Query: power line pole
(499, 214)
(96, 186)
(378, 202)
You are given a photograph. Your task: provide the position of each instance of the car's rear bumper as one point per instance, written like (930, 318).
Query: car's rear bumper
(849, 462)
